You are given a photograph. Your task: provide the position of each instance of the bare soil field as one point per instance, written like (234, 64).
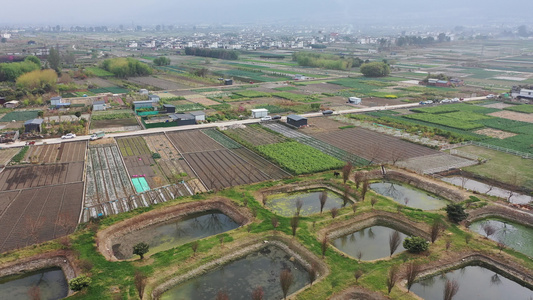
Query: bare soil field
(197, 98)
(106, 178)
(435, 163)
(495, 133)
(156, 82)
(373, 146)
(64, 152)
(7, 154)
(107, 124)
(183, 93)
(40, 214)
(100, 82)
(23, 177)
(322, 124)
(172, 163)
(511, 115)
(193, 141)
(498, 105)
(372, 101)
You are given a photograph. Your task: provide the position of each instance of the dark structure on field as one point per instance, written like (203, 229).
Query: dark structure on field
(33, 125)
(296, 121)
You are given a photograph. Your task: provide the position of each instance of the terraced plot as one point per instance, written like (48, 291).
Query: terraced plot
(52, 153)
(24, 177)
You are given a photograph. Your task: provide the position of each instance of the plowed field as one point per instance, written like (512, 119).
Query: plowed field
(193, 141)
(42, 175)
(64, 152)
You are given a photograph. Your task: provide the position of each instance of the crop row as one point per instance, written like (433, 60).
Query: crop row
(221, 138)
(296, 97)
(299, 158)
(524, 108)
(462, 107)
(443, 120)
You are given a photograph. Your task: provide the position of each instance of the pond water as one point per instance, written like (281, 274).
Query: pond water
(475, 282)
(407, 195)
(371, 242)
(173, 233)
(48, 283)
(513, 235)
(239, 278)
(483, 188)
(285, 204)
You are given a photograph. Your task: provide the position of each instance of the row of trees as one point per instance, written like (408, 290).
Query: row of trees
(375, 69)
(215, 53)
(326, 61)
(126, 67)
(412, 40)
(11, 71)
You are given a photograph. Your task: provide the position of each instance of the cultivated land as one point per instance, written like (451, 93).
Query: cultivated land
(64, 152)
(24, 177)
(7, 154)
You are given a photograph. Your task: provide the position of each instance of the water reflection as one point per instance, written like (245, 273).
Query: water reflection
(309, 202)
(516, 236)
(43, 284)
(407, 195)
(483, 188)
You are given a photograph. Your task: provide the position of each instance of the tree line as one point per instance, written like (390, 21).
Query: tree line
(214, 53)
(326, 61)
(11, 71)
(126, 67)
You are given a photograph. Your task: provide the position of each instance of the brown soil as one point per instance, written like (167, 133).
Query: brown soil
(511, 115)
(499, 134)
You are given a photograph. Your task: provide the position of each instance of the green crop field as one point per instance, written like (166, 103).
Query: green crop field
(524, 108)
(20, 115)
(463, 107)
(296, 97)
(445, 121)
(299, 158)
(252, 94)
(99, 72)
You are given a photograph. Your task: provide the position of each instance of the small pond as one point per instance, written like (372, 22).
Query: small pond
(475, 282)
(483, 188)
(371, 242)
(239, 278)
(513, 235)
(47, 283)
(173, 233)
(285, 204)
(407, 195)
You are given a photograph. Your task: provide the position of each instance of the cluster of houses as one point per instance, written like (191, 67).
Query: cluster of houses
(167, 114)
(442, 83)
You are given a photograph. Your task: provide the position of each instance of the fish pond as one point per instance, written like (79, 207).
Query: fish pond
(42, 284)
(285, 204)
(483, 188)
(371, 243)
(170, 234)
(475, 282)
(408, 195)
(513, 235)
(239, 278)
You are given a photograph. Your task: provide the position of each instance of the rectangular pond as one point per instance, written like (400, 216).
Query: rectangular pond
(372, 243)
(167, 235)
(516, 236)
(48, 284)
(408, 195)
(285, 204)
(483, 188)
(475, 282)
(239, 278)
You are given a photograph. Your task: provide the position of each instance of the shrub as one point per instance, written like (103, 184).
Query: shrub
(415, 244)
(156, 155)
(80, 282)
(375, 69)
(456, 212)
(141, 249)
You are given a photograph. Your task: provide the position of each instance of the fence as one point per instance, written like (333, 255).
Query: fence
(488, 146)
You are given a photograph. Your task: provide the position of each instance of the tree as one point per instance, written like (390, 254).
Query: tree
(346, 170)
(375, 69)
(501, 246)
(140, 282)
(54, 59)
(448, 243)
(79, 283)
(373, 201)
(357, 274)
(415, 244)
(162, 61)
(394, 242)
(357, 178)
(286, 279)
(411, 273)
(392, 278)
(141, 249)
(436, 228)
(346, 195)
(299, 204)
(468, 237)
(323, 197)
(312, 273)
(324, 245)
(33, 59)
(354, 208)
(364, 189)
(194, 247)
(294, 224)
(450, 289)
(456, 212)
(334, 212)
(275, 222)
(258, 293)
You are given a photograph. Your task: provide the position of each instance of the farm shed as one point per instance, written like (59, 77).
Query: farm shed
(299, 77)
(169, 108)
(153, 98)
(443, 83)
(183, 119)
(259, 113)
(142, 104)
(296, 121)
(56, 101)
(228, 81)
(354, 100)
(143, 92)
(33, 125)
(198, 115)
(11, 104)
(99, 105)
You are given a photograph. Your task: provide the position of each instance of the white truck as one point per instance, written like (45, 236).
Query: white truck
(97, 135)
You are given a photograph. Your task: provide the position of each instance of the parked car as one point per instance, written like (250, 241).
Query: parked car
(455, 100)
(276, 117)
(327, 112)
(267, 118)
(490, 96)
(69, 136)
(446, 101)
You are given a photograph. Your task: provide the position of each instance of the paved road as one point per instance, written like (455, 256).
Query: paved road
(217, 124)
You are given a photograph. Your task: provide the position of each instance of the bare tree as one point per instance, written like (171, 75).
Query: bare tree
(275, 222)
(464, 179)
(396, 154)
(312, 273)
(488, 229)
(299, 205)
(221, 240)
(264, 198)
(450, 289)
(286, 279)
(364, 189)
(392, 278)
(359, 255)
(258, 293)
(324, 245)
(448, 243)
(501, 246)
(357, 274)
(346, 195)
(373, 201)
(323, 197)
(394, 242)
(436, 228)
(334, 212)
(140, 282)
(346, 170)
(194, 247)
(357, 178)
(294, 224)
(411, 273)
(222, 295)
(468, 237)
(354, 208)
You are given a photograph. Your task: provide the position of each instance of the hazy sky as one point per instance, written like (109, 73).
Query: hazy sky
(93, 12)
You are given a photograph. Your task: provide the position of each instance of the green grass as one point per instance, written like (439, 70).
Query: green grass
(296, 97)
(441, 119)
(524, 108)
(252, 94)
(99, 72)
(17, 158)
(286, 88)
